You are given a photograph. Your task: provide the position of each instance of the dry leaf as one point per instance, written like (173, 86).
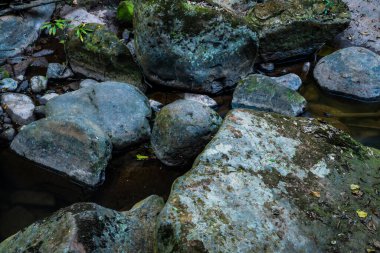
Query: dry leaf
(355, 188)
(362, 214)
(316, 194)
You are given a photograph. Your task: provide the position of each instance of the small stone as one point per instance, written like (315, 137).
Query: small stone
(155, 105)
(58, 71)
(8, 84)
(45, 98)
(8, 134)
(292, 81)
(39, 111)
(267, 67)
(23, 87)
(203, 99)
(40, 62)
(38, 83)
(87, 83)
(19, 107)
(43, 52)
(126, 35)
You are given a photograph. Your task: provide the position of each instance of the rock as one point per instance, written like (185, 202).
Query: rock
(43, 52)
(8, 134)
(19, 107)
(262, 93)
(352, 71)
(203, 99)
(19, 31)
(88, 227)
(191, 45)
(38, 84)
(207, 46)
(121, 110)
(102, 56)
(155, 105)
(80, 15)
(40, 62)
(125, 12)
(8, 84)
(292, 81)
(87, 83)
(32, 198)
(364, 28)
(39, 111)
(71, 145)
(267, 67)
(270, 183)
(126, 35)
(45, 98)
(11, 222)
(58, 71)
(181, 130)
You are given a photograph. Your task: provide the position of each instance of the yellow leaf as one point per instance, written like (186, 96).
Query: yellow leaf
(362, 214)
(355, 188)
(316, 194)
(141, 157)
(371, 250)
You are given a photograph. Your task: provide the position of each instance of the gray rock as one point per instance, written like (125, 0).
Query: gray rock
(203, 99)
(38, 84)
(19, 107)
(181, 130)
(121, 110)
(270, 183)
(265, 94)
(8, 84)
(45, 98)
(70, 145)
(81, 15)
(8, 134)
(87, 83)
(43, 52)
(364, 27)
(267, 67)
(353, 71)
(19, 31)
(58, 71)
(292, 81)
(39, 111)
(88, 227)
(155, 105)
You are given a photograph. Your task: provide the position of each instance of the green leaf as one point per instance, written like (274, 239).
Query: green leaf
(141, 157)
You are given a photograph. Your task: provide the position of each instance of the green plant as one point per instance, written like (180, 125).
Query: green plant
(329, 4)
(55, 25)
(125, 11)
(81, 31)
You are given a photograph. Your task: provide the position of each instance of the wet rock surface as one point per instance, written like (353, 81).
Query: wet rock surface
(272, 183)
(71, 145)
(120, 109)
(267, 94)
(352, 71)
(88, 227)
(181, 130)
(20, 107)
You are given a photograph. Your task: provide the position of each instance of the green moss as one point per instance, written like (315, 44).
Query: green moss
(125, 11)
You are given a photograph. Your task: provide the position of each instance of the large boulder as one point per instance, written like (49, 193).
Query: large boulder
(181, 130)
(88, 227)
(103, 56)
(192, 45)
(267, 94)
(120, 109)
(270, 183)
(71, 145)
(19, 107)
(352, 71)
(207, 46)
(19, 31)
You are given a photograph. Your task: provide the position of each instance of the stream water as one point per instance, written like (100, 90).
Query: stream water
(29, 193)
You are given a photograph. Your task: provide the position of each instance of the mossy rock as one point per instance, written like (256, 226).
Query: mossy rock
(125, 12)
(103, 56)
(270, 183)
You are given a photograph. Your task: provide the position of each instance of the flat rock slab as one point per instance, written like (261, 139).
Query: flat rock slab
(120, 109)
(88, 227)
(19, 107)
(70, 145)
(352, 71)
(270, 183)
(19, 31)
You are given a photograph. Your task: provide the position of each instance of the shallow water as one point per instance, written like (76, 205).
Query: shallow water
(29, 193)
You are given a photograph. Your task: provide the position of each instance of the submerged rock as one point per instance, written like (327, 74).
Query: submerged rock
(102, 56)
(267, 94)
(19, 107)
(353, 71)
(19, 31)
(71, 145)
(181, 130)
(270, 183)
(292, 81)
(120, 109)
(88, 227)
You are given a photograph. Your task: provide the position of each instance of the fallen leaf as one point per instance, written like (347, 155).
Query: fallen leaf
(355, 188)
(362, 214)
(370, 250)
(141, 157)
(316, 194)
